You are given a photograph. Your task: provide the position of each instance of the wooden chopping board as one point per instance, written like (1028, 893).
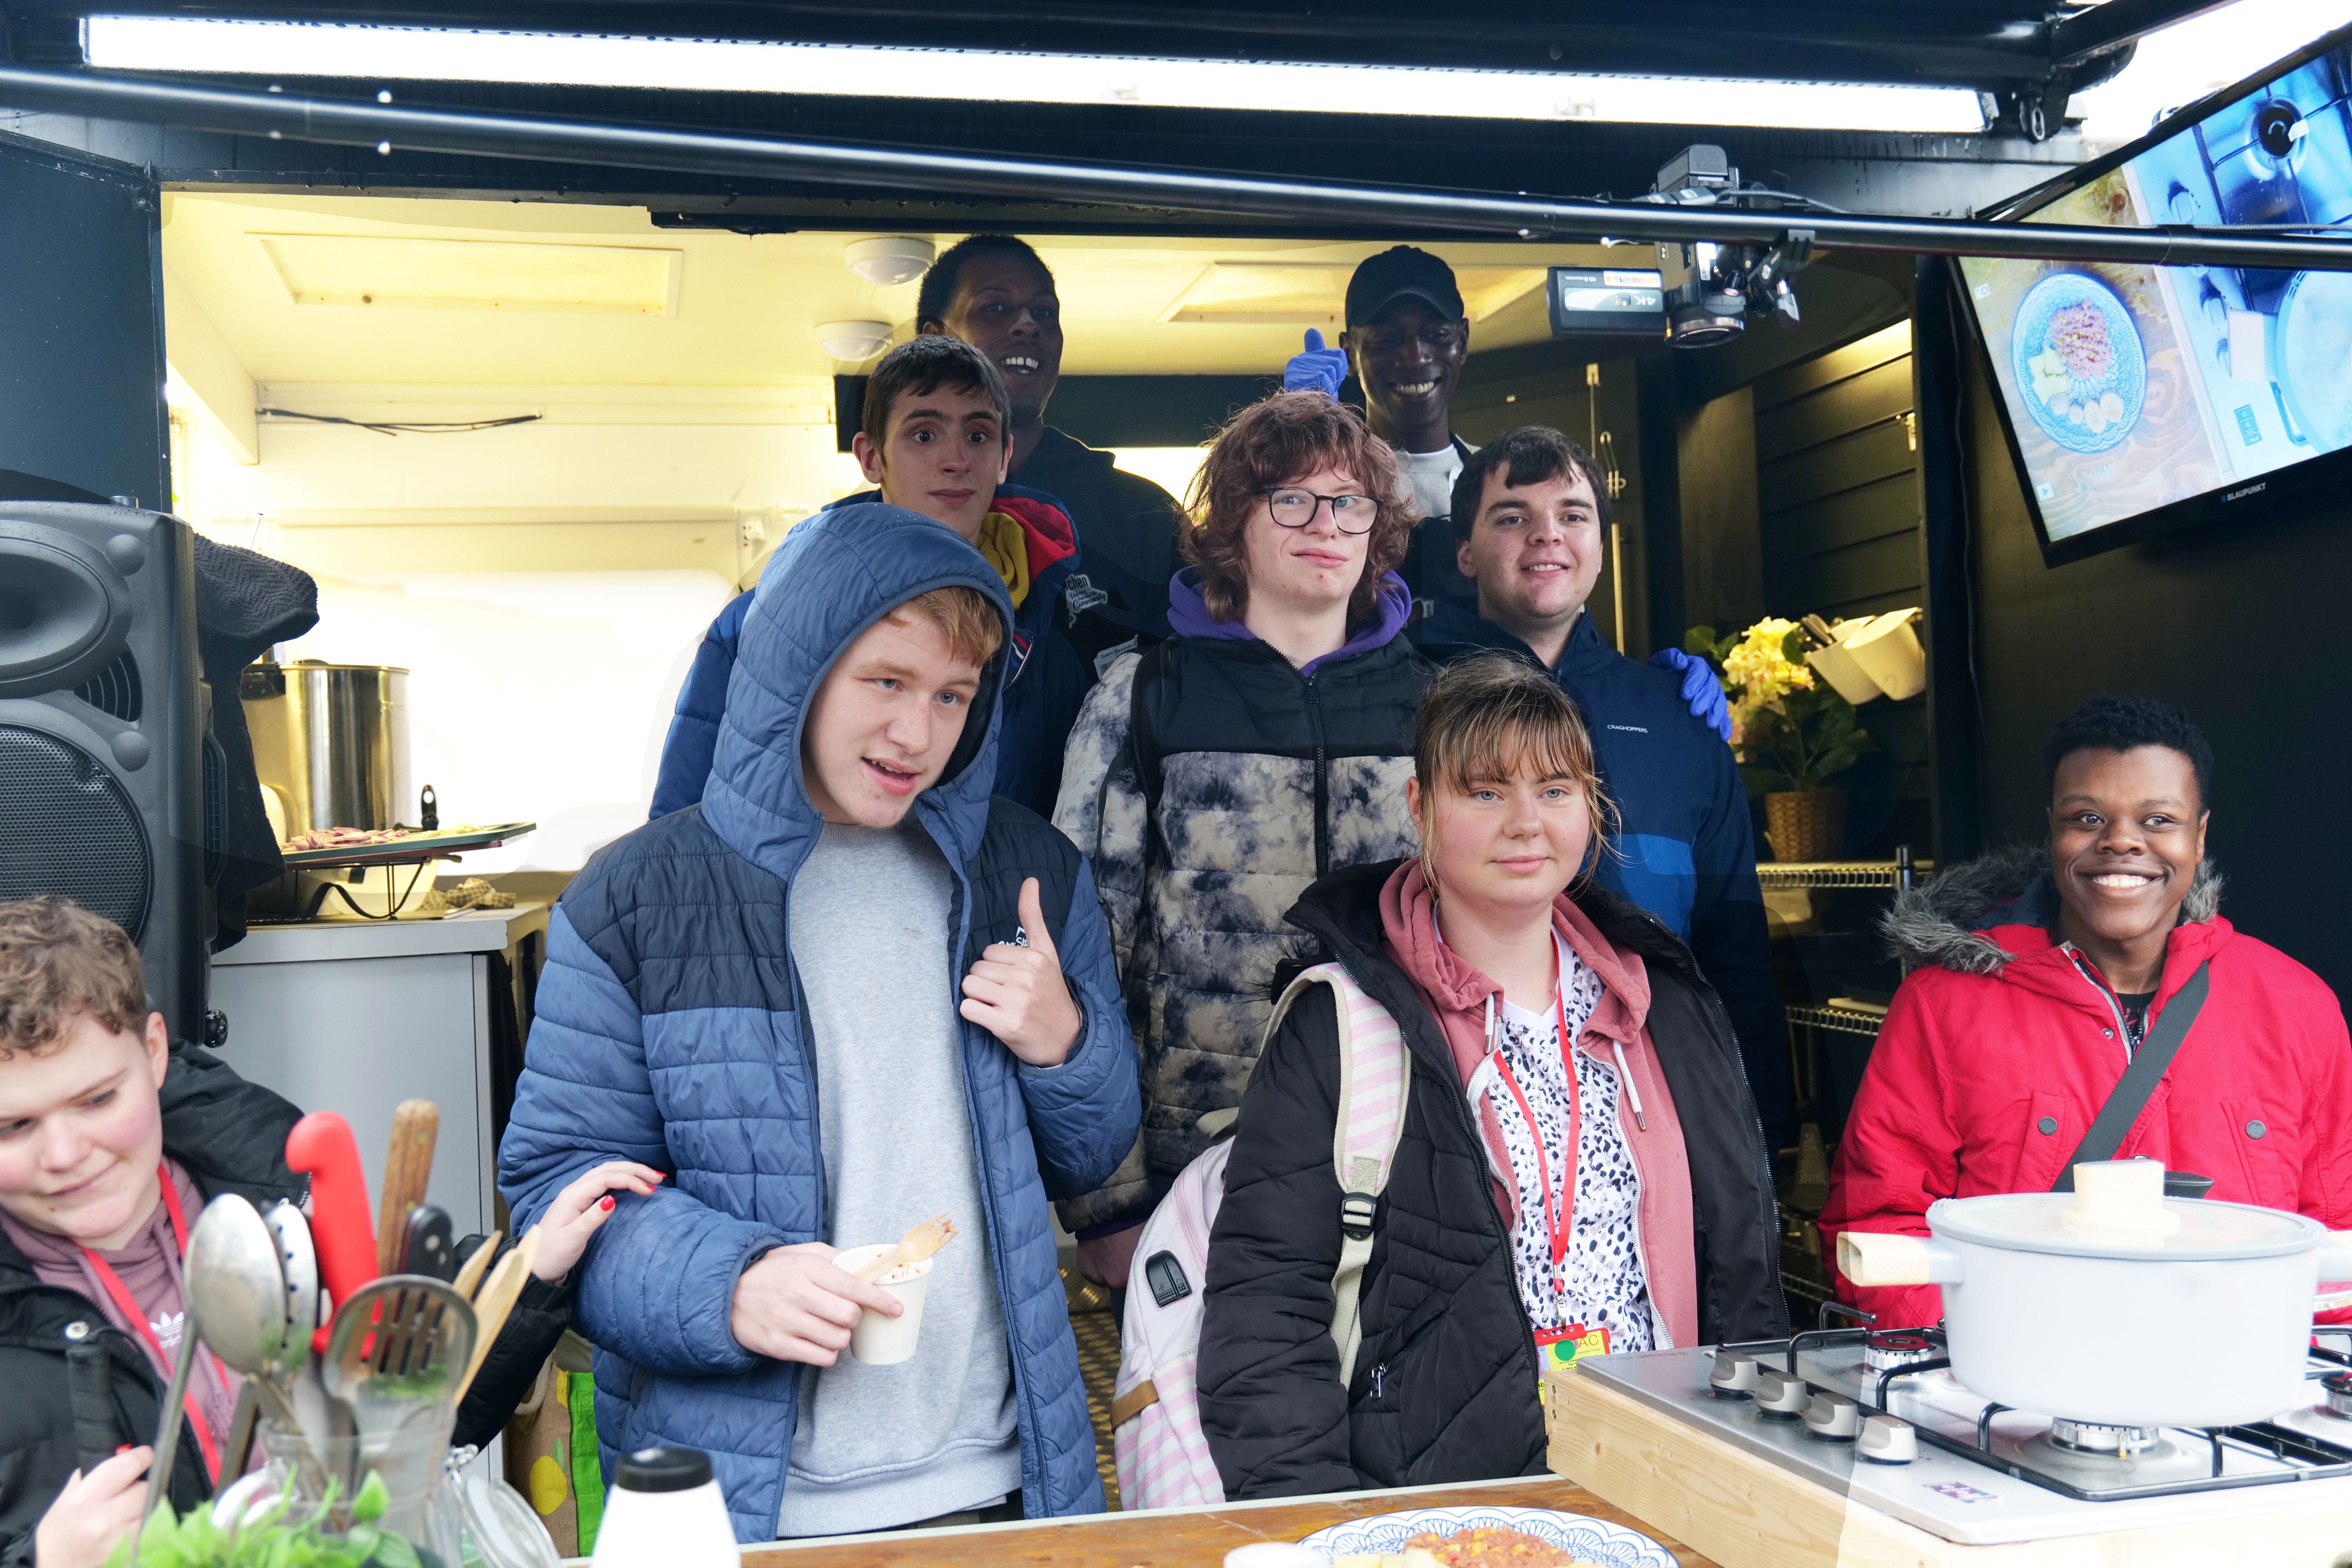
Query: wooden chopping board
(1675, 1480)
(1177, 1538)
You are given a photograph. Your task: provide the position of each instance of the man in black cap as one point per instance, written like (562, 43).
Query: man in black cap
(1408, 338)
(995, 293)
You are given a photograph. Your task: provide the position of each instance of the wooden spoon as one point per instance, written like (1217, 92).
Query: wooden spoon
(495, 1300)
(913, 1247)
(469, 1273)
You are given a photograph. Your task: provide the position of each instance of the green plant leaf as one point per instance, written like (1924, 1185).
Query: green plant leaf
(369, 1506)
(395, 1552)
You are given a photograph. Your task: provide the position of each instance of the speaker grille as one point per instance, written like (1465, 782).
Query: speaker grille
(67, 826)
(115, 689)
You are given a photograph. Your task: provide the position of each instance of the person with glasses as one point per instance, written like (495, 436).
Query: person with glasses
(1213, 778)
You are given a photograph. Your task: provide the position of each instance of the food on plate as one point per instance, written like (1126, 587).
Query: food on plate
(1493, 1546)
(2052, 385)
(2078, 335)
(345, 838)
(1482, 1546)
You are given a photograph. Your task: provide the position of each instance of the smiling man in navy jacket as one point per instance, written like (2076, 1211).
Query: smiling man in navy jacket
(1529, 515)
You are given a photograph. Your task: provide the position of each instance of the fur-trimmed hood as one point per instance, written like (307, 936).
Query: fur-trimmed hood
(1944, 922)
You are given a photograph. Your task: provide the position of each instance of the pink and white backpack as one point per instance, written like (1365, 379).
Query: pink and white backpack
(1163, 1459)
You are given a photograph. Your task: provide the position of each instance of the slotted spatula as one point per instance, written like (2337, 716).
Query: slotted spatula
(399, 1344)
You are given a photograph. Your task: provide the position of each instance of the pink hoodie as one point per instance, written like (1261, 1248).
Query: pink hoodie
(1457, 994)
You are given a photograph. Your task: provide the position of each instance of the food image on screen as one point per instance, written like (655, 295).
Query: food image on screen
(2130, 389)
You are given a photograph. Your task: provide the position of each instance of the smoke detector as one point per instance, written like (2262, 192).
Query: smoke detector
(853, 340)
(894, 259)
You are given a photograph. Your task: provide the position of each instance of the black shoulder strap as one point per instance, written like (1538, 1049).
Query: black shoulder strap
(2139, 1080)
(1142, 740)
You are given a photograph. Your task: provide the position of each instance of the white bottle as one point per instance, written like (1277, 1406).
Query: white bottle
(664, 1512)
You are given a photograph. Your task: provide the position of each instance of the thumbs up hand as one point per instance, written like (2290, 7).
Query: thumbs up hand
(1018, 994)
(1315, 368)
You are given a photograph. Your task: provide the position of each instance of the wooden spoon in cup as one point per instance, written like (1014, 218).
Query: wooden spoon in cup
(913, 1247)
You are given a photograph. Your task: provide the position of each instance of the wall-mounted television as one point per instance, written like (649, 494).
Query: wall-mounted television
(2140, 399)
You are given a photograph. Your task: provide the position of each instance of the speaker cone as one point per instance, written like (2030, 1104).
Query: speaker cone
(64, 611)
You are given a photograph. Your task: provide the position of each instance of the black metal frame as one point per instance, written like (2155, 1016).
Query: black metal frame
(347, 123)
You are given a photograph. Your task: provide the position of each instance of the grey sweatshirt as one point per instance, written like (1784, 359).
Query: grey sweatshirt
(884, 1446)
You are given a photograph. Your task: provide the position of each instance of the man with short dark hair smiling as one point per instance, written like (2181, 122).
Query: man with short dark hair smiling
(2041, 975)
(995, 293)
(1529, 515)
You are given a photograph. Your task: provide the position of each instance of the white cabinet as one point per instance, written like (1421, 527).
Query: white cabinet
(355, 1017)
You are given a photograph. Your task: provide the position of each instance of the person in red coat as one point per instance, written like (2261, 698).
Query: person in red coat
(2035, 976)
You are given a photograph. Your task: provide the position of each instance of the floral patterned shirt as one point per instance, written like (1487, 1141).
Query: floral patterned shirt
(1600, 1283)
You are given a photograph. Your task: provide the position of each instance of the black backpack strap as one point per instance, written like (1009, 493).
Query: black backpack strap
(1142, 735)
(2139, 1080)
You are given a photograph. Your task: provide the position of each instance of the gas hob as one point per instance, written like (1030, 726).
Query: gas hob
(1880, 1420)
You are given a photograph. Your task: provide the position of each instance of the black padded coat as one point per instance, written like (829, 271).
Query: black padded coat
(1444, 1385)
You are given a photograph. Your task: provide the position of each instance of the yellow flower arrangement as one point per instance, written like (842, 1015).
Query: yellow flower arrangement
(1788, 730)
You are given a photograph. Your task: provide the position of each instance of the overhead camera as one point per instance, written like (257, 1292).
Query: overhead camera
(1712, 290)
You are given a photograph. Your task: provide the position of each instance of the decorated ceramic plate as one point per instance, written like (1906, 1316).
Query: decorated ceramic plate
(1591, 1539)
(2081, 370)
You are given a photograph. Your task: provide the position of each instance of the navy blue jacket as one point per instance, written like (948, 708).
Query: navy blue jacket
(1049, 682)
(1686, 849)
(669, 1031)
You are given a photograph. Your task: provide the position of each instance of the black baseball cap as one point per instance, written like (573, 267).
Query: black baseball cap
(1398, 273)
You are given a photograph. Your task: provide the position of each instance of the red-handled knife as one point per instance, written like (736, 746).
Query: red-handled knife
(321, 1144)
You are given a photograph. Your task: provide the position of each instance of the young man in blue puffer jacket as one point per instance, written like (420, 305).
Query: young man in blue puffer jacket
(847, 992)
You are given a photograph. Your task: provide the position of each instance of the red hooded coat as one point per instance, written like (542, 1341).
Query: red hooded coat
(1997, 1053)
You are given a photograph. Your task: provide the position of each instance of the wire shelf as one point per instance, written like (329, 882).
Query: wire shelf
(1786, 875)
(1841, 1020)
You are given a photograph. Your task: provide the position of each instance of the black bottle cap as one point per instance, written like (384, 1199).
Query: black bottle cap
(664, 1471)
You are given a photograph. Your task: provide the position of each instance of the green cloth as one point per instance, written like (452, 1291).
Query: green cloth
(587, 1472)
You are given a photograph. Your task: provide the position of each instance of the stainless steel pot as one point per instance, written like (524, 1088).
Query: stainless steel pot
(333, 741)
(2115, 1304)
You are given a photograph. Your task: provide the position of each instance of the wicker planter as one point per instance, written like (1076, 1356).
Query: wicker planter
(1805, 825)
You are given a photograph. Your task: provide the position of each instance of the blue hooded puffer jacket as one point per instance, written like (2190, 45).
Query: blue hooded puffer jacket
(668, 1031)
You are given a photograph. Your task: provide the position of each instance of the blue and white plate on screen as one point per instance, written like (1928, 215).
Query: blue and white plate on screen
(1591, 1540)
(2081, 370)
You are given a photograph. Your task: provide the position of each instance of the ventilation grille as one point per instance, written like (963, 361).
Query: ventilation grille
(67, 826)
(115, 689)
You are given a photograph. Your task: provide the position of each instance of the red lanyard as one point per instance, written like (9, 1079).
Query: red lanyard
(138, 1317)
(1559, 1218)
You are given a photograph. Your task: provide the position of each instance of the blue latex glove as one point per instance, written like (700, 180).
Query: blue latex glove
(1701, 690)
(1317, 368)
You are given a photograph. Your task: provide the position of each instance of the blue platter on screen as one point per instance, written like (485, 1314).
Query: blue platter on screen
(2081, 369)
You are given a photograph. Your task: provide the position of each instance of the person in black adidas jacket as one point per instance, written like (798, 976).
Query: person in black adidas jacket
(1212, 777)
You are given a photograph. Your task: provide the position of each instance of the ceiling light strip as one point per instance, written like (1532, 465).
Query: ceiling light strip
(184, 44)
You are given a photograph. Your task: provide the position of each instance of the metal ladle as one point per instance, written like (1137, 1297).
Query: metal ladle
(236, 1305)
(236, 1289)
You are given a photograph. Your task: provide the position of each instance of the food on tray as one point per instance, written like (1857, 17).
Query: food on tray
(1493, 1546)
(1413, 1559)
(345, 838)
(2078, 335)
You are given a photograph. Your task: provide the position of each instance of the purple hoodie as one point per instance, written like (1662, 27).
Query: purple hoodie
(1189, 616)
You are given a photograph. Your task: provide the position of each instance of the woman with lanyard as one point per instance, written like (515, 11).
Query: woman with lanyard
(1581, 1169)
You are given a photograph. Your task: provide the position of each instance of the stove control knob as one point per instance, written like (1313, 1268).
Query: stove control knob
(1734, 1375)
(1886, 1351)
(1888, 1440)
(1834, 1418)
(1778, 1393)
(2338, 1388)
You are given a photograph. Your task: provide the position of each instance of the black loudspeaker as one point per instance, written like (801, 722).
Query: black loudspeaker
(102, 754)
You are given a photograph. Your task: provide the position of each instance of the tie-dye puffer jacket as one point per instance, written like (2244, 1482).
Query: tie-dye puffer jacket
(1248, 779)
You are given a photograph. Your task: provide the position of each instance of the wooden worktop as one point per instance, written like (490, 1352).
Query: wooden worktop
(1177, 1538)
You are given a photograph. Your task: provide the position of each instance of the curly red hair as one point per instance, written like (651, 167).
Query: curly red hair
(1279, 442)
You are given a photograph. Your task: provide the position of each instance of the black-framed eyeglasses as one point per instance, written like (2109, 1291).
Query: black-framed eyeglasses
(1293, 507)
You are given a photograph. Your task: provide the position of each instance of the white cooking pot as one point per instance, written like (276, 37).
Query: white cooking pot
(2117, 1305)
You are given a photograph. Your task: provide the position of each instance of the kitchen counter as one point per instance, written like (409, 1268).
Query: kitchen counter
(1179, 1536)
(355, 1016)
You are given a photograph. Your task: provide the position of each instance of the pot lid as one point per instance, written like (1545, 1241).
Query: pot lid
(2177, 1229)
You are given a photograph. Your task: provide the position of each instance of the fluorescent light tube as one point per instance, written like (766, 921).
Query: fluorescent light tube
(428, 54)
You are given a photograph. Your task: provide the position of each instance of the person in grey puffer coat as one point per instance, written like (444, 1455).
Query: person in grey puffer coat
(1213, 778)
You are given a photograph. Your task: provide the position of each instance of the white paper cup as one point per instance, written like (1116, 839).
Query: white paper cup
(880, 1341)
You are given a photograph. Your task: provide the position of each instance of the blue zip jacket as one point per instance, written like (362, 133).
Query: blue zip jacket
(669, 1031)
(1686, 845)
(1050, 681)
